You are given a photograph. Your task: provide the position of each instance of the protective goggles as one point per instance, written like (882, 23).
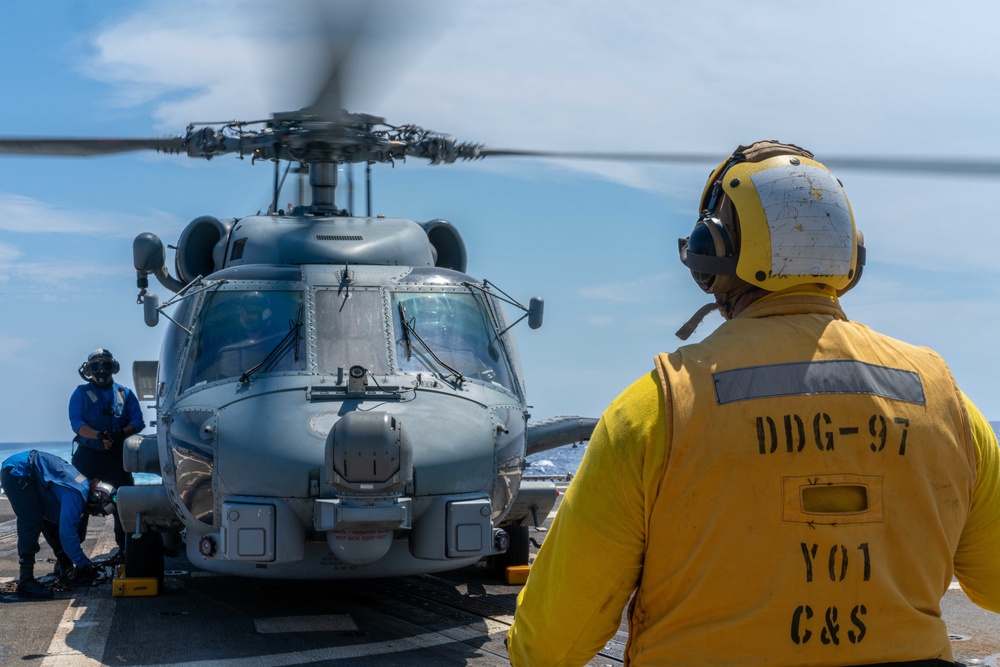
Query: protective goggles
(100, 366)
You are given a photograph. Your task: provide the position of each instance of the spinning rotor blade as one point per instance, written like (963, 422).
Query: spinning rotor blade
(338, 45)
(891, 164)
(678, 158)
(88, 147)
(917, 165)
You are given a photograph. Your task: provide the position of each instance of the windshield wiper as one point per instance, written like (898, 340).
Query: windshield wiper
(408, 330)
(289, 340)
(298, 331)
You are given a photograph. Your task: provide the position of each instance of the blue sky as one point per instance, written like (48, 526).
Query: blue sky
(597, 240)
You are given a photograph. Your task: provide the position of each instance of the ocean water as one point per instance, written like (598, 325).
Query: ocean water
(63, 450)
(556, 462)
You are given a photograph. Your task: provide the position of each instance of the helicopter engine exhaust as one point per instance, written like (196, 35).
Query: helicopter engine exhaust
(449, 248)
(201, 249)
(368, 464)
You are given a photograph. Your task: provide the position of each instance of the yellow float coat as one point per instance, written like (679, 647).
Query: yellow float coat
(820, 525)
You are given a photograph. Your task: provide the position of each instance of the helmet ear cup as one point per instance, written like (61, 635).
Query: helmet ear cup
(84, 371)
(859, 240)
(717, 242)
(115, 366)
(709, 253)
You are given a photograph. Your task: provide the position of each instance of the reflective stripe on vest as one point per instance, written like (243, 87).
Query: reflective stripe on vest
(839, 376)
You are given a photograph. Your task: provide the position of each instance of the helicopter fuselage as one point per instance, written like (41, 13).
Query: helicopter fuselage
(322, 420)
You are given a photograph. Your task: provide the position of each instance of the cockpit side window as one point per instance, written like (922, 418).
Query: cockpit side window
(236, 330)
(455, 328)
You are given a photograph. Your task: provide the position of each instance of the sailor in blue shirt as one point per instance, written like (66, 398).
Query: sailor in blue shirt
(51, 498)
(103, 413)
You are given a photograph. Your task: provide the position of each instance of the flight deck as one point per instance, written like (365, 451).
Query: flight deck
(202, 619)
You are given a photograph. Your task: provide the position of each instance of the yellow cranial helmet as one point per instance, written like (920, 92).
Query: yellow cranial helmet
(773, 218)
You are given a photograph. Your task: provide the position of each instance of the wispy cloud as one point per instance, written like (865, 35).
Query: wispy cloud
(26, 215)
(55, 280)
(11, 346)
(647, 289)
(251, 59)
(8, 253)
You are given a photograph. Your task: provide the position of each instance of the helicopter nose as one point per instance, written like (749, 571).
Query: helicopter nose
(368, 461)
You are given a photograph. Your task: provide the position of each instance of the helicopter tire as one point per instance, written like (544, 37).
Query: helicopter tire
(144, 556)
(517, 551)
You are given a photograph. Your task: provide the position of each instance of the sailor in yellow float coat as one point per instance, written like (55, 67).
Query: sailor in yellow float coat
(796, 489)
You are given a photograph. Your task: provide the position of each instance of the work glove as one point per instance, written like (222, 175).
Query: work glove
(112, 439)
(83, 576)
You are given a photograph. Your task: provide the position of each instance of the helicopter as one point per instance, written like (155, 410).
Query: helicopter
(335, 396)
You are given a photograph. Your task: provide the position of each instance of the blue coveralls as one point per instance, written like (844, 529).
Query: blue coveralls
(110, 409)
(48, 497)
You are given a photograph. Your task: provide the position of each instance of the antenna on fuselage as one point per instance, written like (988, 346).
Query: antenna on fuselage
(368, 187)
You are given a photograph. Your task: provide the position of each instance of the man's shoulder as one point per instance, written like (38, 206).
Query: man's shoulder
(640, 401)
(123, 388)
(910, 350)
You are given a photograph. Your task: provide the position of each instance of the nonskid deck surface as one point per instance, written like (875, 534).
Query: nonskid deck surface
(204, 619)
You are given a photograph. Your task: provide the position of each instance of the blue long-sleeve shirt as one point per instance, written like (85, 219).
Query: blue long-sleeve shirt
(110, 409)
(63, 491)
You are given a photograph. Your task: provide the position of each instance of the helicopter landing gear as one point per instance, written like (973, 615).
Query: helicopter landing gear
(517, 551)
(144, 556)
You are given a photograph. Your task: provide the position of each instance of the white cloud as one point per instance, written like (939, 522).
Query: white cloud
(221, 59)
(11, 346)
(26, 215)
(56, 280)
(646, 289)
(8, 253)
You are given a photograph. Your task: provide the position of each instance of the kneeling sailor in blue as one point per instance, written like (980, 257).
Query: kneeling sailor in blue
(52, 498)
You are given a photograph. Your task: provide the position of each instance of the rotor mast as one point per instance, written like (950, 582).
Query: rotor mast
(323, 181)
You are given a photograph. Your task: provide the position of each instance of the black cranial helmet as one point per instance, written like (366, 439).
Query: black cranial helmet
(100, 366)
(101, 500)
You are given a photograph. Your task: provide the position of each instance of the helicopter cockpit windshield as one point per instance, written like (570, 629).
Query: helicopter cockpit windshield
(237, 330)
(452, 334)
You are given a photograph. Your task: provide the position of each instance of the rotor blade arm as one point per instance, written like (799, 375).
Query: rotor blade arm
(88, 147)
(558, 431)
(914, 164)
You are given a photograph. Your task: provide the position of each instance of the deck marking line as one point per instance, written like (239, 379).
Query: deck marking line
(323, 623)
(499, 624)
(90, 636)
(401, 645)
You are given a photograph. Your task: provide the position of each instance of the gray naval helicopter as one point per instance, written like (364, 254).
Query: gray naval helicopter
(335, 396)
